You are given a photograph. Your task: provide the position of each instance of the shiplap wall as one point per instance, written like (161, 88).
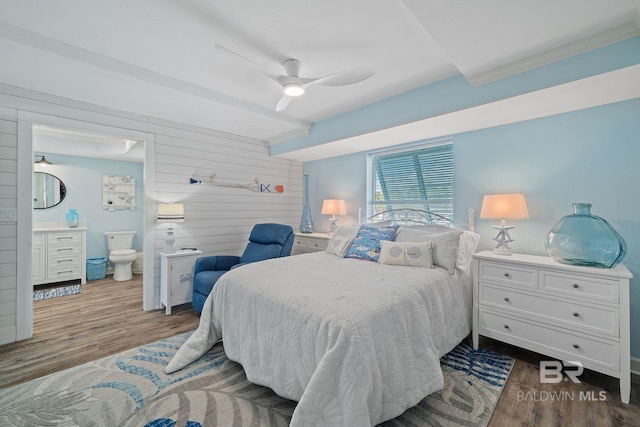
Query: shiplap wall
(218, 219)
(8, 230)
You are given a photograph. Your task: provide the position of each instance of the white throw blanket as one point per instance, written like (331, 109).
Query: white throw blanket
(354, 342)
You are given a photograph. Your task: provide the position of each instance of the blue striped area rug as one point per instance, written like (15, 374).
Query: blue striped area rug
(42, 294)
(131, 389)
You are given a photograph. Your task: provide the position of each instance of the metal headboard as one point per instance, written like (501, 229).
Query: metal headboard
(408, 216)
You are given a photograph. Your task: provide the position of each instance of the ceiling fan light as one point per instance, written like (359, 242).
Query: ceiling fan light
(293, 89)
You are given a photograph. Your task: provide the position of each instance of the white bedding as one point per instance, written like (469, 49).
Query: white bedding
(354, 342)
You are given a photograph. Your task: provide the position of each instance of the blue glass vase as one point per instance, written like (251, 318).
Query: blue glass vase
(306, 223)
(585, 239)
(73, 219)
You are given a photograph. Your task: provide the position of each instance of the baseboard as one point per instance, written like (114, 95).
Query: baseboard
(635, 365)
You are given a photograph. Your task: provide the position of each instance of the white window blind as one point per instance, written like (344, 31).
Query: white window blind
(420, 177)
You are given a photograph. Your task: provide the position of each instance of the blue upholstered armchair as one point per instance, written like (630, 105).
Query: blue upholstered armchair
(266, 241)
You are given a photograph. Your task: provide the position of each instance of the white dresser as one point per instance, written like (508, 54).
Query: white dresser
(59, 254)
(566, 312)
(309, 242)
(176, 277)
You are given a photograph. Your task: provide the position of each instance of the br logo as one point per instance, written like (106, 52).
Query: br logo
(551, 371)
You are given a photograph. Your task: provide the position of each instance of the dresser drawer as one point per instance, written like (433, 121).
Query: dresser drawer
(63, 250)
(561, 344)
(587, 318)
(63, 238)
(311, 243)
(64, 272)
(576, 286)
(306, 244)
(507, 274)
(55, 262)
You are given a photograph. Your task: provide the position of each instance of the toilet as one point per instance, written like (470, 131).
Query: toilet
(121, 253)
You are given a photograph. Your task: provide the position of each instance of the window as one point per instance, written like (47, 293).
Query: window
(418, 177)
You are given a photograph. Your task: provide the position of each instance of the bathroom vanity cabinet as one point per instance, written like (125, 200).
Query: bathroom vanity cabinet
(59, 254)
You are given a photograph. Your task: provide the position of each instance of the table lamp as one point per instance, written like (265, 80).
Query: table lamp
(170, 213)
(333, 207)
(503, 207)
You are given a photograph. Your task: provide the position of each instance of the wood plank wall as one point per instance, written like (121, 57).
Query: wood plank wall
(8, 230)
(218, 220)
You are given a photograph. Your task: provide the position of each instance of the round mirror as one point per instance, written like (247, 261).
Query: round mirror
(48, 190)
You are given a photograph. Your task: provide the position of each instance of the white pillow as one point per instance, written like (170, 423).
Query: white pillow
(431, 228)
(338, 245)
(409, 253)
(467, 247)
(445, 245)
(347, 231)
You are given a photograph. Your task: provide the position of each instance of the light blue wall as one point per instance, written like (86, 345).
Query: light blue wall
(344, 180)
(584, 156)
(83, 179)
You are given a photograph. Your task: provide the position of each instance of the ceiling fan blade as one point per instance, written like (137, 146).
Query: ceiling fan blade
(284, 101)
(237, 55)
(344, 78)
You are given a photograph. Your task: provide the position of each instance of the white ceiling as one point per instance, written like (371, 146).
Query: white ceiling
(158, 57)
(72, 142)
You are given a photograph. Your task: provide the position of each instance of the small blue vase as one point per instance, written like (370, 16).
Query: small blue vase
(585, 239)
(73, 219)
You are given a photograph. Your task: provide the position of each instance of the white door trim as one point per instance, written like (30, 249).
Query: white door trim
(26, 121)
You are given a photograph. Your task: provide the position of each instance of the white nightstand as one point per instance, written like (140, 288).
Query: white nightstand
(176, 277)
(309, 242)
(566, 312)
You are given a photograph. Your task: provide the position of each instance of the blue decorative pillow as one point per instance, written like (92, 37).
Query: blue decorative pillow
(366, 245)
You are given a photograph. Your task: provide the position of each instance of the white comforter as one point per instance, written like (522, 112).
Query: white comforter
(354, 342)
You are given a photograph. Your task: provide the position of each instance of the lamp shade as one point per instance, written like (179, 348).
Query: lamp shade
(170, 212)
(333, 207)
(504, 206)
(43, 161)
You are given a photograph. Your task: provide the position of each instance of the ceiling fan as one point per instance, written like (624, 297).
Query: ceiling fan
(293, 85)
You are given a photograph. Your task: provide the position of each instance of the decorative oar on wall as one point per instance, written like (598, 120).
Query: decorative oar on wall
(256, 186)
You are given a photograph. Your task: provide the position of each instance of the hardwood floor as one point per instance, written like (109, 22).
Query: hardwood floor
(526, 402)
(107, 318)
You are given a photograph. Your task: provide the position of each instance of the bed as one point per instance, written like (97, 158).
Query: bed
(354, 342)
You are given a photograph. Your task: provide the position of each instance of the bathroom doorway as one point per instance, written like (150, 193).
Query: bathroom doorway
(71, 140)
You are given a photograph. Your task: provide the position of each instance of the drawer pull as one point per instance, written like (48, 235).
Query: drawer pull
(506, 274)
(64, 260)
(65, 272)
(576, 346)
(575, 286)
(64, 238)
(506, 326)
(506, 299)
(576, 314)
(65, 249)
